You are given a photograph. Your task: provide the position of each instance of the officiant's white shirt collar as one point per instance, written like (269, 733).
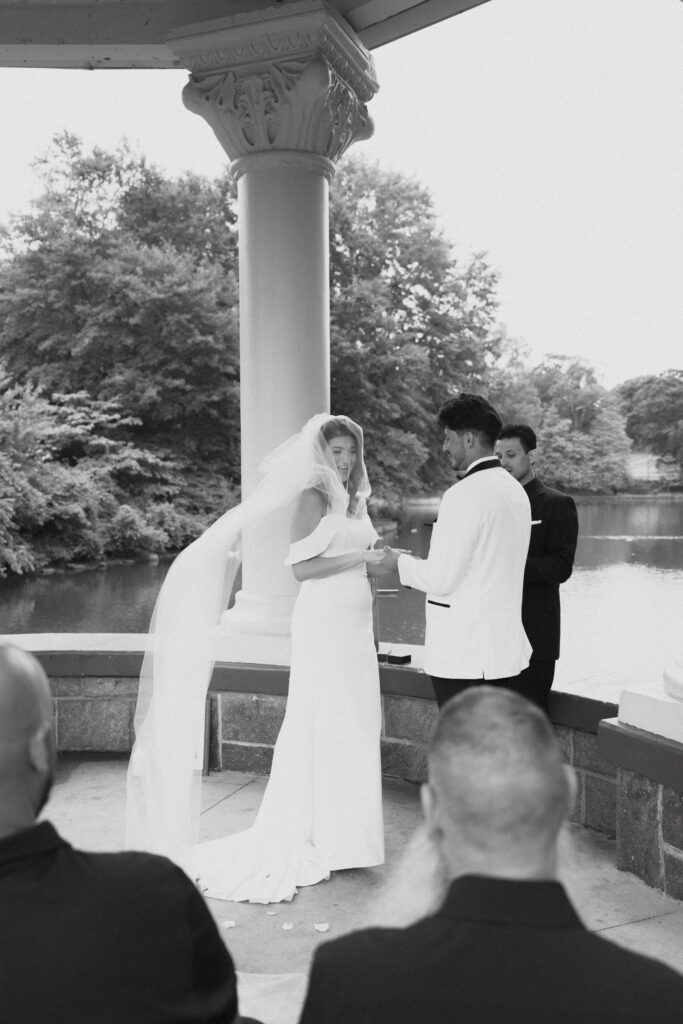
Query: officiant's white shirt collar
(484, 458)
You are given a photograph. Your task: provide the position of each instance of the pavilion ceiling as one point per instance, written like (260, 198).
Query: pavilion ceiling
(131, 33)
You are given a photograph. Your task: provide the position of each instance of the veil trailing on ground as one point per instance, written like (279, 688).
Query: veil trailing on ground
(164, 774)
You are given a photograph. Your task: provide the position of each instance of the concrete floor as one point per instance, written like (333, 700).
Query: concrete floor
(87, 806)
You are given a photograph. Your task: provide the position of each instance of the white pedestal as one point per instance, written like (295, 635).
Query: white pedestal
(656, 712)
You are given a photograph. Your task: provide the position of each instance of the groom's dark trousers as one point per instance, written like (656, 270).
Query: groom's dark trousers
(444, 689)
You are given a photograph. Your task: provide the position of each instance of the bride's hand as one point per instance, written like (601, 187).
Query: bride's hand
(390, 558)
(373, 556)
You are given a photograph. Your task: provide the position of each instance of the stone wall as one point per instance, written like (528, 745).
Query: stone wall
(649, 810)
(244, 727)
(94, 713)
(596, 780)
(407, 725)
(629, 783)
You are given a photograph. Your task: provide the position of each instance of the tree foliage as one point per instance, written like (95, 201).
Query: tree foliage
(409, 325)
(119, 399)
(653, 407)
(94, 299)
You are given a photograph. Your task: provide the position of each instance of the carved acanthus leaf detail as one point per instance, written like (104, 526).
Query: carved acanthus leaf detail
(293, 105)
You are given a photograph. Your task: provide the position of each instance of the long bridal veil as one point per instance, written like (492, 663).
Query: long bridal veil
(164, 774)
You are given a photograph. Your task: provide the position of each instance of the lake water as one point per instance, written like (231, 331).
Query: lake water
(622, 609)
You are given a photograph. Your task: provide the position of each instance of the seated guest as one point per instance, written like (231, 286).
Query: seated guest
(88, 938)
(505, 945)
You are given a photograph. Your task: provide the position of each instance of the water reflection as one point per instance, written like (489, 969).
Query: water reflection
(644, 533)
(660, 553)
(118, 599)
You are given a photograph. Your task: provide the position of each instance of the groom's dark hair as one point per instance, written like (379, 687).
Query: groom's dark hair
(471, 412)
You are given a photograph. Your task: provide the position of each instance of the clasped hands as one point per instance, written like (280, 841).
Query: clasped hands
(381, 561)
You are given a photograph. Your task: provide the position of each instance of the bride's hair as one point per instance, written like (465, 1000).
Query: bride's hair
(340, 426)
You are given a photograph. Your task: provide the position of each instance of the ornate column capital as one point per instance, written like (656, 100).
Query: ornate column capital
(287, 78)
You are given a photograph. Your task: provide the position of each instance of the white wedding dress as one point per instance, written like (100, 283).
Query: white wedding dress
(322, 808)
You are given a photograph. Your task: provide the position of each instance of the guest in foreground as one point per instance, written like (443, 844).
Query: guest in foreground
(90, 938)
(554, 532)
(506, 943)
(475, 568)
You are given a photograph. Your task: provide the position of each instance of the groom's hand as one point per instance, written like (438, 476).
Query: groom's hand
(390, 560)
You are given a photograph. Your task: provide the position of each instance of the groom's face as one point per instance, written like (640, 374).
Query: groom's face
(454, 447)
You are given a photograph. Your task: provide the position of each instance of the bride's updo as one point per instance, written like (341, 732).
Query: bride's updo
(341, 426)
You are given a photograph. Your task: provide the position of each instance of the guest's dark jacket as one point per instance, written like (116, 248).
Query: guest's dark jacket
(554, 532)
(498, 952)
(95, 938)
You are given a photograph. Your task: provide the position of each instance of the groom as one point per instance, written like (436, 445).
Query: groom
(474, 572)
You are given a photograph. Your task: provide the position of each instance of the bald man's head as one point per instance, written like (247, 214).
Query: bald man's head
(26, 737)
(499, 791)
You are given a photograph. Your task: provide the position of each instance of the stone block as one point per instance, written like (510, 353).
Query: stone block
(672, 817)
(404, 760)
(90, 723)
(585, 755)
(253, 758)
(215, 764)
(409, 718)
(638, 828)
(564, 738)
(600, 803)
(673, 875)
(251, 717)
(576, 814)
(65, 687)
(110, 687)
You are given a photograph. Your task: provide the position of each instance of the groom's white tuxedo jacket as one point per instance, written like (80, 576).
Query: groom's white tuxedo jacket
(473, 577)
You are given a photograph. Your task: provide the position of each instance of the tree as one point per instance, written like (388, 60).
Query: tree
(582, 439)
(511, 386)
(571, 386)
(653, 407)
(93, 299)
(410, 326)
(610, 448)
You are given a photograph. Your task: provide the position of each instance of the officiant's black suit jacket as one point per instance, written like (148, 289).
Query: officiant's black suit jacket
(498, 952)
(97, 938)
(554, 532)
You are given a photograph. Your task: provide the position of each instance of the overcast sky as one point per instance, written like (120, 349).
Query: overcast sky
(549, 132)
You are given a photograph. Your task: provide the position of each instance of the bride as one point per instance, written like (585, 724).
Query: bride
(322, 808)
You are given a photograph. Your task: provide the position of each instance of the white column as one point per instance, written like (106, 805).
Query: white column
(284, 358)
(284, 91)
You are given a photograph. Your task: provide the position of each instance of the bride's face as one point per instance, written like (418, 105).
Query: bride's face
(345, 454)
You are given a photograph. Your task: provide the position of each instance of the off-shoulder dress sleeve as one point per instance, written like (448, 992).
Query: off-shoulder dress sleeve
(315, 544)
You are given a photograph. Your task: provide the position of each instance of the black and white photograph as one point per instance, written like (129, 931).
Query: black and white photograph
(341, 512)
